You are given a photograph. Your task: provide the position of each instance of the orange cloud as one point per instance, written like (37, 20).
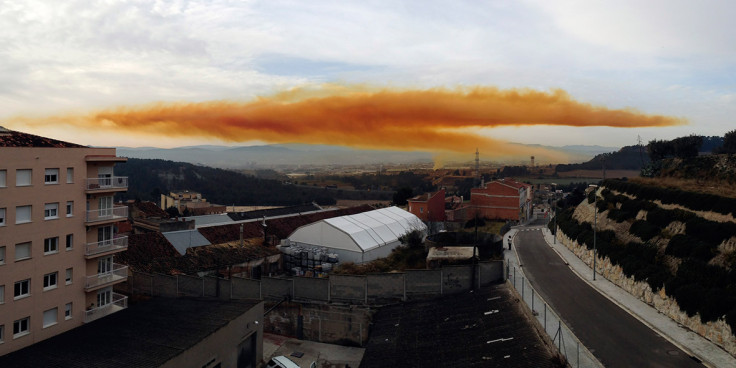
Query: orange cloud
(437, 120)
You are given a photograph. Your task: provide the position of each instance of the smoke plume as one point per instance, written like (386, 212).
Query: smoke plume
(436, 120)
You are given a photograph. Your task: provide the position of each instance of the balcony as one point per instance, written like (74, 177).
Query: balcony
(119, 273)
(106, 246)
(107, 215)
(111, 184)
(119, 302)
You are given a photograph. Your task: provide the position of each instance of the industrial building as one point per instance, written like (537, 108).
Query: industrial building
(358, 238)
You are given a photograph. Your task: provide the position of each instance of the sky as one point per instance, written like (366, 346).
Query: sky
(64, 62)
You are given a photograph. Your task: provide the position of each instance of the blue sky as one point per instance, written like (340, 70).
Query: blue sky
(673, 58)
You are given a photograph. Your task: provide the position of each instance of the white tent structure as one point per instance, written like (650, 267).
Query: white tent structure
(359, 238)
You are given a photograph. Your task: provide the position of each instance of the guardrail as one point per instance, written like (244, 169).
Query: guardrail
(107, 214)
(106, 246)
(119, 302)
(114, 182)
(118, 273)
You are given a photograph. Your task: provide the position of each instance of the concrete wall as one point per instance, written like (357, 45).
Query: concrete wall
(371, 289)
(276, 288)
(349, 289)
(328, 323)
(385, 287)
(313, 289)
(245, 288)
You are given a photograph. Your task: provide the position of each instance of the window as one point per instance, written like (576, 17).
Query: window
(2, 333)
(49, 317)
(70, 175)
(22, 289)
(22, 214)
(104, 297)
(2, 294)
(51, 211)
(23, 177)
(3, 178)
(69, 208)
(51, 245)
(69, 273)
(20, 327)
(49, 281)
(2, 217)
(22, 251)
(51, 176)
(104, 265)
(69, 241)
(68, 311)
(2, 255)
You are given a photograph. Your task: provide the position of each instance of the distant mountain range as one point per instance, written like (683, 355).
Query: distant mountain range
(291, 155)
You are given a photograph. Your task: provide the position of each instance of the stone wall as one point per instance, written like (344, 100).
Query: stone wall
(719, 332)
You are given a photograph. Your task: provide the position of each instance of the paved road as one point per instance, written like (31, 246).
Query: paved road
(616, 338)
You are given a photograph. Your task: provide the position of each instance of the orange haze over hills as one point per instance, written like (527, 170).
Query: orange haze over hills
(437, 120)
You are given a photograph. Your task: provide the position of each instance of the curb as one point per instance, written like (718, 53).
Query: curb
(659, 332)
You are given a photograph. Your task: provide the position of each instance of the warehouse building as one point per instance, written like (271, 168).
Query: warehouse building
(357, 238)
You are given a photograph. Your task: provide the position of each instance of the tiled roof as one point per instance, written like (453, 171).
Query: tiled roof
(279, 227)
(239, 216)
(150, 209)
(147, 334)
(10, 138)
(144, 250)
(152, 253)
(421, 198)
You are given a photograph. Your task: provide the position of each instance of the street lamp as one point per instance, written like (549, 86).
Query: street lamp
(595, 229)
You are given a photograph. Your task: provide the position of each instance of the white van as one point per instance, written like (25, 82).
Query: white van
(284, 362)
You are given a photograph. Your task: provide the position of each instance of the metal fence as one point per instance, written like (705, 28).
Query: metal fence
(565, 341)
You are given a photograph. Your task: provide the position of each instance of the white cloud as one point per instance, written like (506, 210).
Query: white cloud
(77, 54)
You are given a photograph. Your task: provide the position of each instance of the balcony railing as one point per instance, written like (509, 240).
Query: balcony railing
(102, 184)
(119, 302)
(106, 246)
(118, 273)
(107, 214)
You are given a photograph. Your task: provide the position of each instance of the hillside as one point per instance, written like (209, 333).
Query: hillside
(630, 157)
(627, 158)
(714, 174)
(150, 178)
(672, 248)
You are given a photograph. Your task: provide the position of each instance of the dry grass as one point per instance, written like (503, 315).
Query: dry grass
(722, 189)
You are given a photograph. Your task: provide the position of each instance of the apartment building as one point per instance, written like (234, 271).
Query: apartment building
(504, 199)
(57, 237)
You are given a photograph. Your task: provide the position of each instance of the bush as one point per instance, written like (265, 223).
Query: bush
(689, 298)
(716, 303)
(644, 230)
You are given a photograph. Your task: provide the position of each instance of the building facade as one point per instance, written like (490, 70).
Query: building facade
(429, 207)
(504, 199)
(58, 237)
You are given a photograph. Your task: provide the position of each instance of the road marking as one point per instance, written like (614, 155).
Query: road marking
(499, 340)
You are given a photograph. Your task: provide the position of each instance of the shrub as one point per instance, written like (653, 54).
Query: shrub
(680, 246)
(689, 297)
(717, 302)
(644, 230)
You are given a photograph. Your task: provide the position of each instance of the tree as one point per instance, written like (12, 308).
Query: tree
(172, 211)
(412, 239)
(729, 142)
(686, 147)
(402, 195)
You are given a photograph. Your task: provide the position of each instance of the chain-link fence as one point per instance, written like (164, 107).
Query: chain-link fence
(576, 353)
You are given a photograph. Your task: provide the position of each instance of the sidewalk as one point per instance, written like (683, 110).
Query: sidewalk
(692, 343)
